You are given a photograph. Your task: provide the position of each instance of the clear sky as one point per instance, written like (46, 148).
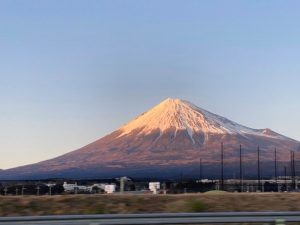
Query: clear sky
(73, 71)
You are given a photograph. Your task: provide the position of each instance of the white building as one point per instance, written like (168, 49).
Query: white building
(69, 187)
(74, 187)
(154, 187)
(107, 188)
(110, 188)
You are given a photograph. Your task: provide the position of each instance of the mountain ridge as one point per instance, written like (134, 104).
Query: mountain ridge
(174, 134)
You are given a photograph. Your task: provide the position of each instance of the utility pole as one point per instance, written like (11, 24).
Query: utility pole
(285, 181)
(122, 184)
(275, 169)
(293, 169)
(241, 170)
(222, 167)
(258, 169)
(291, 162)
(76, 189)
(296, 185)
(22, 190)
(38, 190)
(275, 160)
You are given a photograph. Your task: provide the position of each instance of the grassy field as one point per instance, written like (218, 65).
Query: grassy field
(98, 204)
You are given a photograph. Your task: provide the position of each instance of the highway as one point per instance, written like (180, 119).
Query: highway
(156, 218)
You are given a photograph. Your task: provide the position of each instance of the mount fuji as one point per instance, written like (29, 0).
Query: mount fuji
(165, 141)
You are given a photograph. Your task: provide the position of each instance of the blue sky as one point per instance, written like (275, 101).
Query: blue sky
(73, 71)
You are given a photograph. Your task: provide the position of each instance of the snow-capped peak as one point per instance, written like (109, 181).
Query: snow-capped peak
(183, 115)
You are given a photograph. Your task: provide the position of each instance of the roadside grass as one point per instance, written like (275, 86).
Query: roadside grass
(195, 206)
(101, 204)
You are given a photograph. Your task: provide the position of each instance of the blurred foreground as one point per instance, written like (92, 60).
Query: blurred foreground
(105, 204)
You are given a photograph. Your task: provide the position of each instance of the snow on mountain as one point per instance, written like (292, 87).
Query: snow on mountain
(183, 115)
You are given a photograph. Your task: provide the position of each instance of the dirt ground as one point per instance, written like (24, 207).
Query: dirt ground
(99, 204)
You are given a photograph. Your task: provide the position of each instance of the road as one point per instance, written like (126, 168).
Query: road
(156, 218)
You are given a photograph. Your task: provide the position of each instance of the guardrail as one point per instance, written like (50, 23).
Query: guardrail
(157, 218)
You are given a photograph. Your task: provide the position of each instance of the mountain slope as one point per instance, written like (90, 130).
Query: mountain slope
(172, 136)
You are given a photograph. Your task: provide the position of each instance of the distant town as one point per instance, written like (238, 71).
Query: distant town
(126, 185)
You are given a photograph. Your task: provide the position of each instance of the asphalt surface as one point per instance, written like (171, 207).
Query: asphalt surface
(164, 218)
